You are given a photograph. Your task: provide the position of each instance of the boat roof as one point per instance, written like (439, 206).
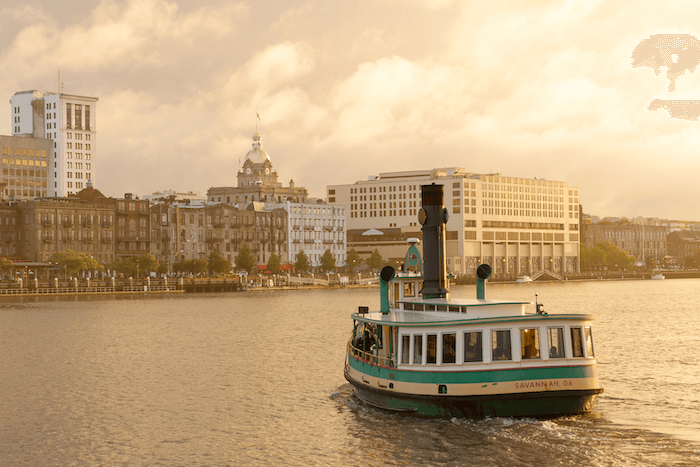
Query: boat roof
(463, 302)
(432, 318)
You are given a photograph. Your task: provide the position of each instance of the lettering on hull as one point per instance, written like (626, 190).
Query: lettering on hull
(546, 384)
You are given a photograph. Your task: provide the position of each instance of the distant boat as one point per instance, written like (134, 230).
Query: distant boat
(523, 280)
(658, 277)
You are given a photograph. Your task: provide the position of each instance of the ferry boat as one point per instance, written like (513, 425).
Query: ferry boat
(430, 354)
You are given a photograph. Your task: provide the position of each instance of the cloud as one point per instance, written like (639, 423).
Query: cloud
(117, 36)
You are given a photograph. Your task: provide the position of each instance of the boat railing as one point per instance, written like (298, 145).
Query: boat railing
(369, 357)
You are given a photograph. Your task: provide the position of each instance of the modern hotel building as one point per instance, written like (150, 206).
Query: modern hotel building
(517, 225)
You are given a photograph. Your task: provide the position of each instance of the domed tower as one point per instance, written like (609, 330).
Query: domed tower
(257, 167)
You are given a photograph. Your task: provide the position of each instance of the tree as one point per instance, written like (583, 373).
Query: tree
(274, 265)
(69, 259)
(604, 255)
(302, 263)
(199, 266)
(245, 260)
(218, 264)
(126, 266)
(353, 260)
(147, 263)
(327, 261)
(6, 266)
(375, 261)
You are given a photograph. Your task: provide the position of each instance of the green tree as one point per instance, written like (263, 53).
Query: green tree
(147, 263)
(218, 264)
(69, 259)
(126, 266)
(245, 260)
(327, 261)
(302, 264)
(274, 265)
(353, 260)
(375, 261)
(6, 266)
(199, 266)
(604, 255)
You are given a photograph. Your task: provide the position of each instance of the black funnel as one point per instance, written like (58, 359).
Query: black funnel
(433, 217)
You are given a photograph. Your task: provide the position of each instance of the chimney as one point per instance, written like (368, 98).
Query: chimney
(433, 217)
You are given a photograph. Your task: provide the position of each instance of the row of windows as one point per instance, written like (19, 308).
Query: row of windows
(22, 152)
(472, 346)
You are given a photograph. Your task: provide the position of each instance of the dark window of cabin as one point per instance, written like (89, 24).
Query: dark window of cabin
(409, 289)
(500, 345)
(431, 354)
(529, 344)
(449, 342)
(473, 351)
(589, 341)
(418, 350)
(576, 342)
(454, 308)
(441, 307)
(556, 342)
(405, 349)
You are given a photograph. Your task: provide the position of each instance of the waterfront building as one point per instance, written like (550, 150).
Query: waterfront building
(83, 223)
(315, 228)
(683, 244)
(257, 181)
(133, 229)
(24, 166)
(644, 241)
(69, 121)
(183, 232)
(517, 225)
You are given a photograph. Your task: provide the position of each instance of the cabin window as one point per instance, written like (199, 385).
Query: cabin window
(500, 345)
(473, 351)
(417, 350)
(395, 295)
(576, 342)
(449, 352)
(431, 354)
(454, 308)
(441, 308)
(556, 342)
(409, 289)
(408, 306)
(405, 349)
(529, 344)
(589, 341)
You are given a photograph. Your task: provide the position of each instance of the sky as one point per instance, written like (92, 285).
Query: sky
(350, 89)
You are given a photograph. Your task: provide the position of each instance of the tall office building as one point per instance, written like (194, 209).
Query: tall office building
(70, 122)
(517, 225)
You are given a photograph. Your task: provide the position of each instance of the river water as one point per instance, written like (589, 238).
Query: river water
(257, 379)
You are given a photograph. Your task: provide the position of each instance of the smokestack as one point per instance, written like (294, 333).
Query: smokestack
(433, 217)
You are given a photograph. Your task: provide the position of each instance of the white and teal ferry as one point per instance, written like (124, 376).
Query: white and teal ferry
(430, 354)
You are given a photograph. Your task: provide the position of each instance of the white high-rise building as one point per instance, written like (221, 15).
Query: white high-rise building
(70, 122)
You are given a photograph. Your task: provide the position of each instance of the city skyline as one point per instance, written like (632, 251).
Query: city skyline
(348, 90)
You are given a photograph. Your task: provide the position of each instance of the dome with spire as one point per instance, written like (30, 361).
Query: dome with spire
(257, 155)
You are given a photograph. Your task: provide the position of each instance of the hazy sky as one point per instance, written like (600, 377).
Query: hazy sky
(348, 89)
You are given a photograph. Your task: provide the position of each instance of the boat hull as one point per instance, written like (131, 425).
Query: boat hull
(541, 404)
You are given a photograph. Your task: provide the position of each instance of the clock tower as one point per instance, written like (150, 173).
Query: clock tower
(257, 167)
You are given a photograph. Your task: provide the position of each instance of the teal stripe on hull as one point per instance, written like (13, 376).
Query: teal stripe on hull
(539, 404)
(474, 376)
